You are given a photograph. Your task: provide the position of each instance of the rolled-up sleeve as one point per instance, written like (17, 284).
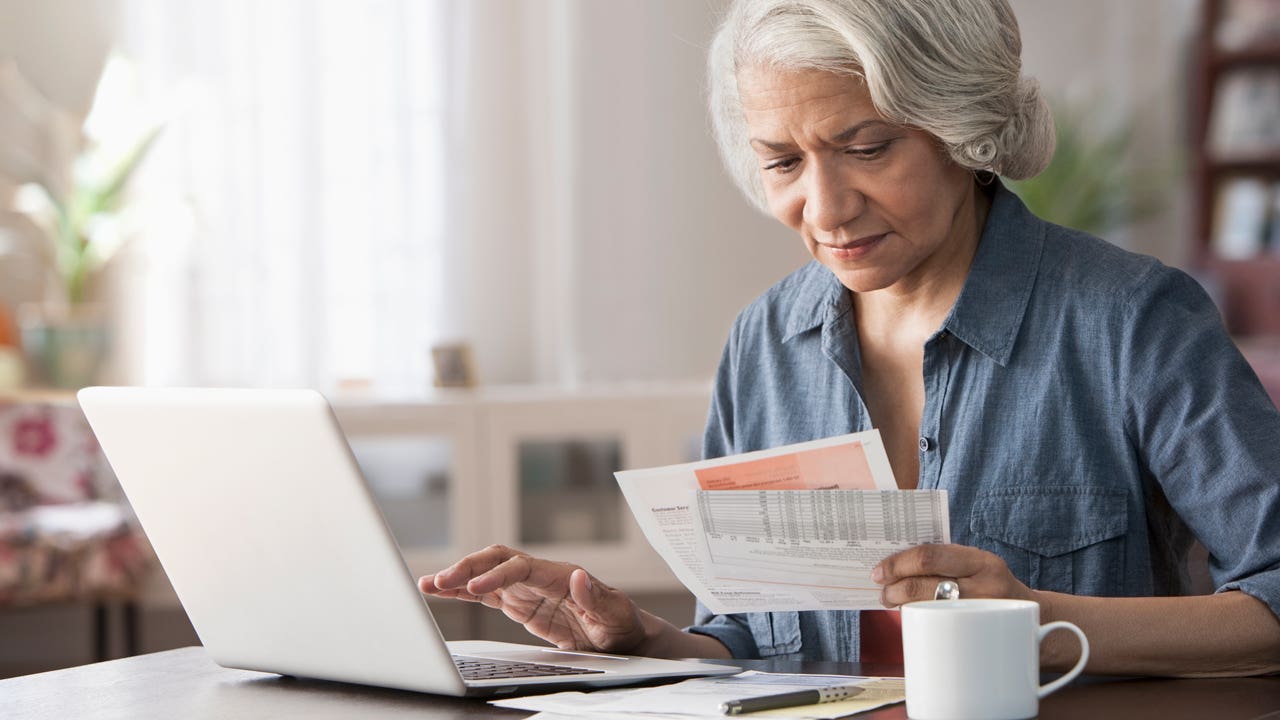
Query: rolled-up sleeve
(731, 630)
(1207, 431)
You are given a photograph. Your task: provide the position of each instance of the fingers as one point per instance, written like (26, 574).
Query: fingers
(945, 561)
(427, 586)
(912, 589)
(477, 563)
(582, 590)
(609, 617)
(558, 602)
(914, 574)
(596, 600)
(544, 575)
(497, 567)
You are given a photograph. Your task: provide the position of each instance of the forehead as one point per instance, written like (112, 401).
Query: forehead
(772, 96)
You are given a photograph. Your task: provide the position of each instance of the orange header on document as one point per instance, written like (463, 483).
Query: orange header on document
(839, 467)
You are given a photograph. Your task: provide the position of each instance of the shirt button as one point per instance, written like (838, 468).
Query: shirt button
(925, 444)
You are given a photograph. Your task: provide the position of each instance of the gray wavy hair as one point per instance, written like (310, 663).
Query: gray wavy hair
(952, 68)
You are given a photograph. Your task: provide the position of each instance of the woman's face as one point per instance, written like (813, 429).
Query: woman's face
(879, 204)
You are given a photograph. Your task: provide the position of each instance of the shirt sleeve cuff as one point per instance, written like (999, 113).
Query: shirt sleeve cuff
(1265, 586)
(730, 630)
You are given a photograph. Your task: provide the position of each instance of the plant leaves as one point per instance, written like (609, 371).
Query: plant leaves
(1089, 185)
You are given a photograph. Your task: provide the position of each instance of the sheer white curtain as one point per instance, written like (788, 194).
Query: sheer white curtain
(297, 205)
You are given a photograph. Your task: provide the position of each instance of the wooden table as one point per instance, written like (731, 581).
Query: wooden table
(186, 684)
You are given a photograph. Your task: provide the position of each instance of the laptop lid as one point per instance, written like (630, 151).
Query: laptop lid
(276, 548)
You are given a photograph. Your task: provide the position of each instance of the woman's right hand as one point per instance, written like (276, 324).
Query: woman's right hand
(559, 602)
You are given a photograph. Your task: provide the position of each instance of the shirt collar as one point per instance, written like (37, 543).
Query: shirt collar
(988, 313)
(820, 299)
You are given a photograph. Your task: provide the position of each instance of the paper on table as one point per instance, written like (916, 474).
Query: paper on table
(703, 697)
(805, 543)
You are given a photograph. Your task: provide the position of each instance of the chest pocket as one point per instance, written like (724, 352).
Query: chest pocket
(1065, 538)
(775, 633)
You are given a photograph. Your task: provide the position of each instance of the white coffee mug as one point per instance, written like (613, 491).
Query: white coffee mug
(978, 659)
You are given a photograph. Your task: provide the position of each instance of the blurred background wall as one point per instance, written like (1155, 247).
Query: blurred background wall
(589, 234)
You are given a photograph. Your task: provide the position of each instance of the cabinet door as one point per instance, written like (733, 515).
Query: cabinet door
(420, 462)
(551, 463)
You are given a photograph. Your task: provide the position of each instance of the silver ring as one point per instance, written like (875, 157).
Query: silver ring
(947, 590)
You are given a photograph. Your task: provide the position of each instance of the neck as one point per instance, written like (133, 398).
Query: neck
(920, 302)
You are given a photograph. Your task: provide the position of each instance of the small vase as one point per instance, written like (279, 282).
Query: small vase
(65, 347)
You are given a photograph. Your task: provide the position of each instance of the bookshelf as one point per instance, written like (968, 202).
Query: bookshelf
(1236, 150)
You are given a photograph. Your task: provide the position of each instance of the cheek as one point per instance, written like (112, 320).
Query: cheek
(912, 207)
(931, 194)
(786, 207)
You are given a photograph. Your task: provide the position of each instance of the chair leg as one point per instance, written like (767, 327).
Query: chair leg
(130, 617)
(101, 621)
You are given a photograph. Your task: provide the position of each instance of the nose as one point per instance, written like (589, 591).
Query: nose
(831, 199)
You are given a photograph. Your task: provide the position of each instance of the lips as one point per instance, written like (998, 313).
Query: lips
(857, 248)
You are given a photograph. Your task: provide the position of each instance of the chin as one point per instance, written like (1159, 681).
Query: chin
(863, 280)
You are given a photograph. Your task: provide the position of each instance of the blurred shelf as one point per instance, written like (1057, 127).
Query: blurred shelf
(1248, 290)
(1259, 56)
(48, 396)
(1266, 163)
(1250, 293)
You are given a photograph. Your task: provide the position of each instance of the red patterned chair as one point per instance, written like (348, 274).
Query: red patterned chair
(66, 535)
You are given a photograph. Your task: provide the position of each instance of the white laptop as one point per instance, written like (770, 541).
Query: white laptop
(273, 542)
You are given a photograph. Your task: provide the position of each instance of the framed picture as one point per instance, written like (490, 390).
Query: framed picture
(453, 366)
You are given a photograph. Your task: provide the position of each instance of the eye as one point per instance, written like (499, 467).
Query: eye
(869, 152)
(783, 165)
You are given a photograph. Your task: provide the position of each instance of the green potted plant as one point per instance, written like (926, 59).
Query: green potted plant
(80, 240)
(65, 337)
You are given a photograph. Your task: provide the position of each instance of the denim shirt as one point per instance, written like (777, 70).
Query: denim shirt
(1084, 408)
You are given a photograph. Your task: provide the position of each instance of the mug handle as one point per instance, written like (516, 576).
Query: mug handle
(1073, 672)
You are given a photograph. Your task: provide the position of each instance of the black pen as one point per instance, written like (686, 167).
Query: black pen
(798, 698)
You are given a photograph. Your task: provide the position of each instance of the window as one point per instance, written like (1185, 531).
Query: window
(296, 205)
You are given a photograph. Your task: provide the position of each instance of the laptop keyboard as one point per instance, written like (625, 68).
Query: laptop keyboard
(485, 669)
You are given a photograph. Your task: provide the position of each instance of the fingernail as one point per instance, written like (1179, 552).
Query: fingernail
(589, 584)
(877, 575)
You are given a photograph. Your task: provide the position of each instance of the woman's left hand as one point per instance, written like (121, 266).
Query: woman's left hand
(914, 574)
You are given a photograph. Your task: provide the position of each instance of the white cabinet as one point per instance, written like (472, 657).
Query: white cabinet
(421, 460)
(526, 467)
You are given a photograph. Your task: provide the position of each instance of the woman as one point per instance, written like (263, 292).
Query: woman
(1082, 405)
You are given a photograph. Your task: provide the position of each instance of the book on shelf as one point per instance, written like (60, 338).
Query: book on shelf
(1245, 120)
(1247, 24)
(1240, 218)
(1273, 220)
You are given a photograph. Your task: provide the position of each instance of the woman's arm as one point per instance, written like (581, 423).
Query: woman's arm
(664, 640)
(1206, 432)
(1227, 634)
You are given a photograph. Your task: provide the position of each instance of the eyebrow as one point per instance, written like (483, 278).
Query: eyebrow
(841, 137)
